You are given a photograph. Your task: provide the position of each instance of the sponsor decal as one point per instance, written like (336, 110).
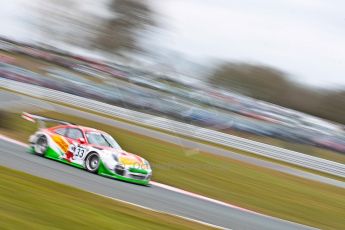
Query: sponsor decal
(127, 161)
(133, 162)
(61, 142)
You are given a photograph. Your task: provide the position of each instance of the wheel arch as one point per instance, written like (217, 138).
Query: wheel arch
(37, 135)
(86, 158)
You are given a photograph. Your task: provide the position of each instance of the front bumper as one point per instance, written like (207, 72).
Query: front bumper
(125, 175)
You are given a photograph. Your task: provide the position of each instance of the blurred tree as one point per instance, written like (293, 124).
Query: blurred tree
(261, 82)
(130, 18)
(332, 106)
(268, 84)
(120, 29)
(64, 21)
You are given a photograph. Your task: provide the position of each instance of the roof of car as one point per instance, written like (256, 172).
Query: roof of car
(84, 128)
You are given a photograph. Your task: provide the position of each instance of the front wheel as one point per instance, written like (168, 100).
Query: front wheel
(92, 162)
(41, 146)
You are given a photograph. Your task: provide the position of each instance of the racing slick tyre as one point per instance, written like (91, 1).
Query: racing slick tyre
(92, 162)
(41, 146)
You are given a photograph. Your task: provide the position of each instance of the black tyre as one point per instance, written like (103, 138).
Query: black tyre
(41, 145)
(92, 162)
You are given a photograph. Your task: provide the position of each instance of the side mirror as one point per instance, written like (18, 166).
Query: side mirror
(81, 140)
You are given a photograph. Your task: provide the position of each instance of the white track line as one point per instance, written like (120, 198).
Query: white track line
(2, 137)
(184, 192)
(170, 188)
(167, 213)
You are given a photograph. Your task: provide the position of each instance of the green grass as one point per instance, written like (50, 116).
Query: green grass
(29, 202)
(256, 188)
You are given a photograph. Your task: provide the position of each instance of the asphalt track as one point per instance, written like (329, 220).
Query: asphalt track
(154, 197)
(20, 103)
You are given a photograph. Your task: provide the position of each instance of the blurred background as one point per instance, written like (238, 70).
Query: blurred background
(268, 72)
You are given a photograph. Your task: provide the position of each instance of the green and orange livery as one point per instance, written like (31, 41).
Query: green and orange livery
(87, 148)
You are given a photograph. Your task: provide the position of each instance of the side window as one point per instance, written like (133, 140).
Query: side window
(74, 134)
(61, 131)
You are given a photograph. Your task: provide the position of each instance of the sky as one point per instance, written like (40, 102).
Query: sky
(305, 38)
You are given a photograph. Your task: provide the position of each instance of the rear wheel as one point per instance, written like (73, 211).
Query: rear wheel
(41, 145)
(92, 162)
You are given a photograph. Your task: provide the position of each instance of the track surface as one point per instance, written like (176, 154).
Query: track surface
(154, 197)
(16, 101)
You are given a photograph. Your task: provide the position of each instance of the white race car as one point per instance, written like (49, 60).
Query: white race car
(87, 148)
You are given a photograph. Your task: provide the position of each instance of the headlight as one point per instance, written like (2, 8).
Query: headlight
(147, 165)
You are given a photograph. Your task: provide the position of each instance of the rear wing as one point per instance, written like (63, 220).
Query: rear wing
(41, 120)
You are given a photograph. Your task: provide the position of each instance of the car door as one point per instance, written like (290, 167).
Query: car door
(78, 150)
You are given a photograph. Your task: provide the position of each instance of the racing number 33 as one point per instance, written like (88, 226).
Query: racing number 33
(79, 152)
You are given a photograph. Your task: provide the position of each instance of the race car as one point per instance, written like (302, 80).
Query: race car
(87, 148)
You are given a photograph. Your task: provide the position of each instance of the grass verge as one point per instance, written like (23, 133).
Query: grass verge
(256, 188)
(29, 202)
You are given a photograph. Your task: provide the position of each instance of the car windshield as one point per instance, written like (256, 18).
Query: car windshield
(102, 139)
